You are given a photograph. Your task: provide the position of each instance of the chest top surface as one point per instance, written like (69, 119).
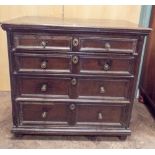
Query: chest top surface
(77, 24)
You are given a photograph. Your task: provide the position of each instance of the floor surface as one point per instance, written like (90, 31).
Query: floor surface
(142, 126)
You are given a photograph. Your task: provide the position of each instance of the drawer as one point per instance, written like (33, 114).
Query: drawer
(106, 64)
(101, 114)
(74, 63)
(37, 113)
(43, 113)
(104, 88)
(43, 63)
(42, 41)
(107, 44)
(43, 87)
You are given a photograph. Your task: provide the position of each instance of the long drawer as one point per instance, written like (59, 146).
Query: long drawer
(75, 63)
(72, 114)
(74, 87)
(78, 43)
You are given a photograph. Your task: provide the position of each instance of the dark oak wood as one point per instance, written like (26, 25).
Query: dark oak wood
(85, 25)
(42, 63)
(41, 41)
(113, 43)
(109, 64)
(34, 86)
(73, 77)
(33, 113)
(147, 84)
(104, 88)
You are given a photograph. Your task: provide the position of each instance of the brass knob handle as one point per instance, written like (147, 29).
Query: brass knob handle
(43, 44)
(106, 67)
(44, 88)
(75, 59)
(73, 81)
(44, 115)
(43, 65)
(72, 106)
(75, 42)
(100, 116)
(102, 90)
(107, 46)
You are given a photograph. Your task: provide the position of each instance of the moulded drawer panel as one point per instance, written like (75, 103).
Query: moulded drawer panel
(42, 41)
(43, 63)
(104, 88)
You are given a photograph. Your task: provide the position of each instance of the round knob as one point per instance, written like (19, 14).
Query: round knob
(43, 44)
(44, 88)
(107, 46)
(43, 65)
(44, 115)
(72, 106)
(106, 67)
(74, 81)
(100, 116)
(75, 42)
(102, 90)
(75, 59)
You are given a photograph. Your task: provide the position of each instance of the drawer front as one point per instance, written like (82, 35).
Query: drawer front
(74, 63)
(43, 63)
(107, 44)
(104, 88)
(99, 114)
(42, 41)
(43, 87)
(106, 65)
(35, 113)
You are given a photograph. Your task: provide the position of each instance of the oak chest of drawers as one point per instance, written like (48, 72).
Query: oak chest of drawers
(73, 77)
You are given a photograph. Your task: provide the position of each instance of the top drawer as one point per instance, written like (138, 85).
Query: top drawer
(75, 43)
(41, 41)
(106, 44)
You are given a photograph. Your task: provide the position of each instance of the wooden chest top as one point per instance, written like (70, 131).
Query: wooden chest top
(73, 24)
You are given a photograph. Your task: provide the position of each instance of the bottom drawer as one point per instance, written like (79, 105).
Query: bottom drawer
(73, 114)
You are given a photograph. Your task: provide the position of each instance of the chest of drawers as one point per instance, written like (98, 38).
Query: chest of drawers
(71, 77)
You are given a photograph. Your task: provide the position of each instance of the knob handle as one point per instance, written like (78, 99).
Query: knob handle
(44, 88)
(44, 115)
(75, 59)
(72, 107)
(43, 44)
(100, 116)
(43, 65)
(107, 46)
(106, 67)
(75, 42)
(73, 81)
(102, 90)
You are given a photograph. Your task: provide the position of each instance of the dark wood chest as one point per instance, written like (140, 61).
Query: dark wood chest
(73, 77)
